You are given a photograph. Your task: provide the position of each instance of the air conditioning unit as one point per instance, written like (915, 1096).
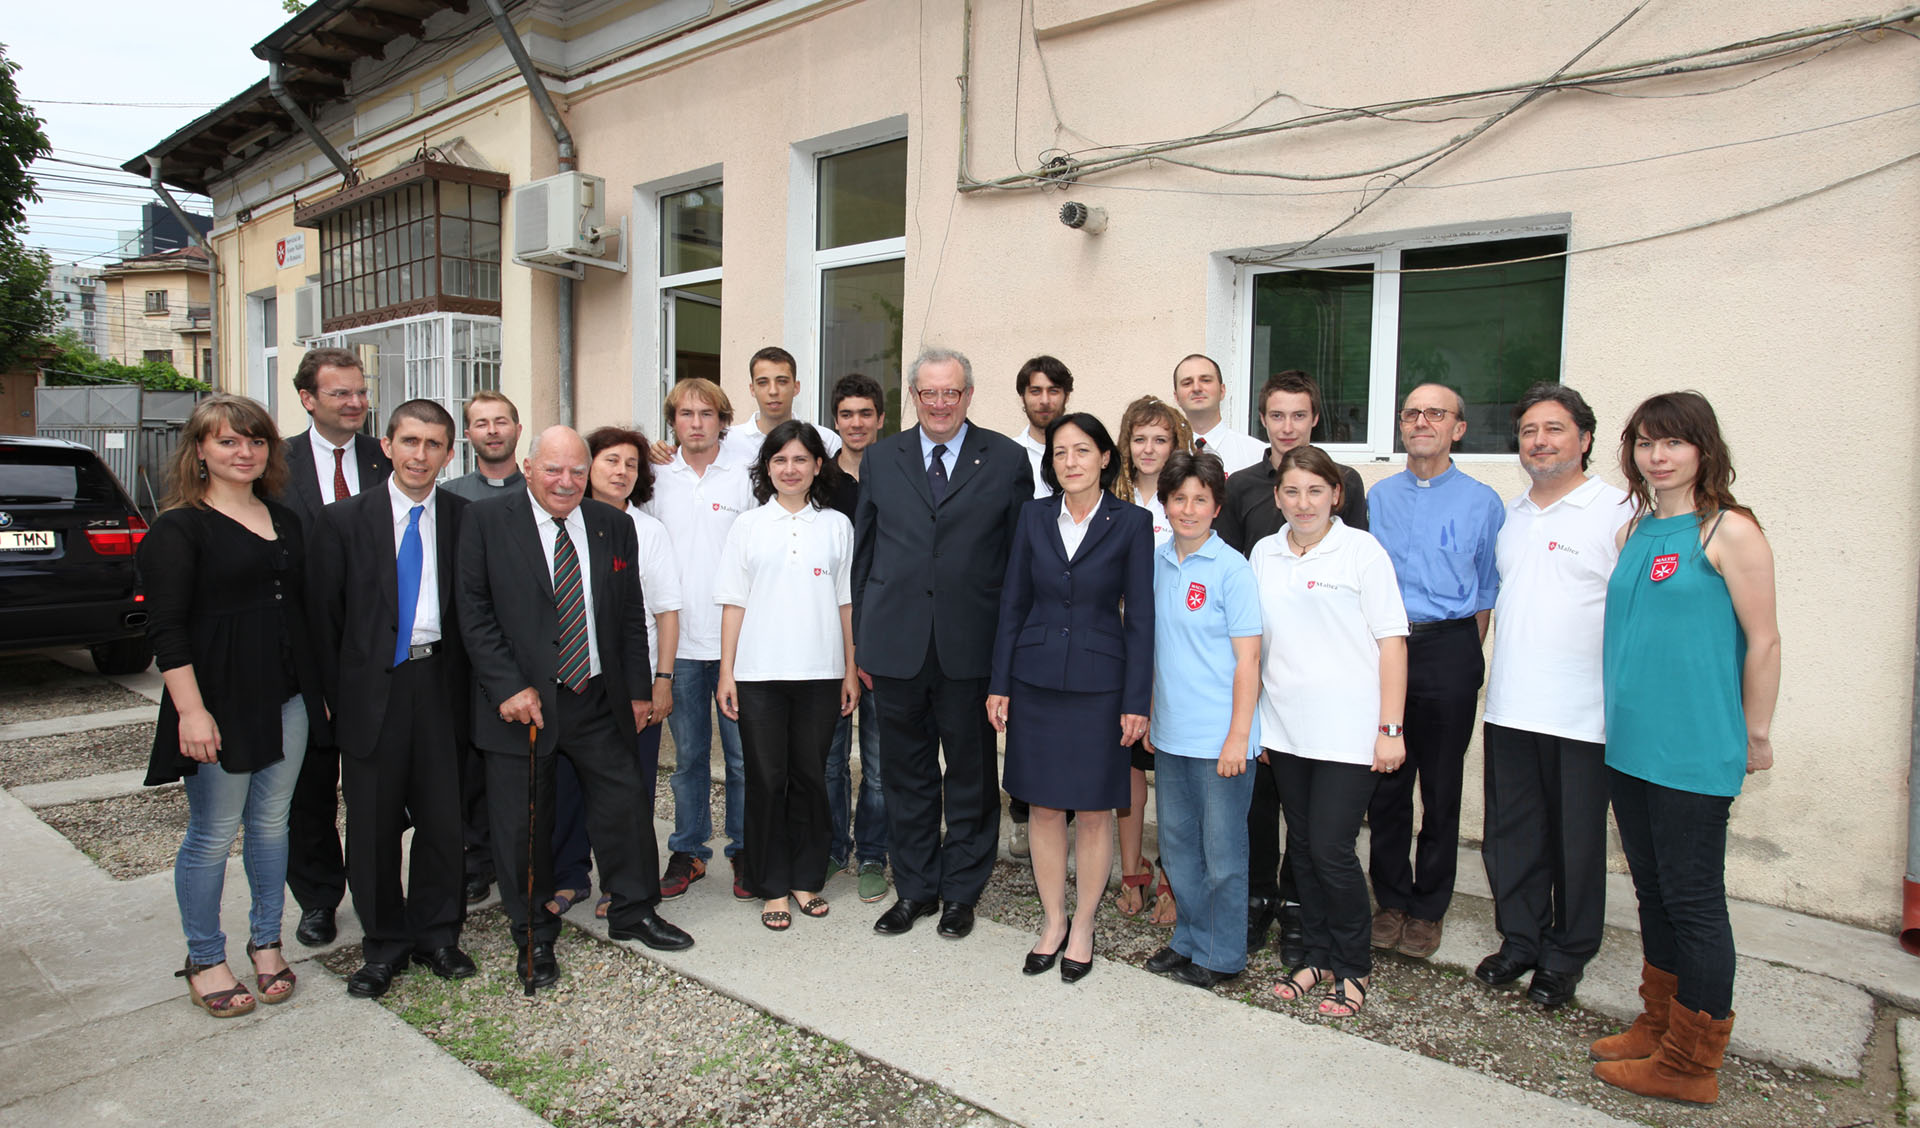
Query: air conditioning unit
(557, 220)
(306, 312)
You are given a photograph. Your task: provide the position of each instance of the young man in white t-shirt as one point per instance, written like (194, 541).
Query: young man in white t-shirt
(1545, 725)
(1199, 390)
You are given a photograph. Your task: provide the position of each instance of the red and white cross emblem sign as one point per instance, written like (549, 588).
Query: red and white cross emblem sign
(1196, 596)
(1664, 566)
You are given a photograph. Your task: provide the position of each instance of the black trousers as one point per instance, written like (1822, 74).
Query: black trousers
(920, 717)
(1268, 871)
(412, 775)
(473, 813)
(316, 866)
(1546, 845)
(786, 729)
(1444, 671)
(572, 849)
(1676, 847)
(616, 796)
(1324, 801)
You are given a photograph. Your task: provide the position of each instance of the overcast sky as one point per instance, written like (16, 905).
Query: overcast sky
(163, 64)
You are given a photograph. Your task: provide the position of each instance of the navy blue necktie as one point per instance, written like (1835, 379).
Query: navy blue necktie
(411, 564)
(937, 473)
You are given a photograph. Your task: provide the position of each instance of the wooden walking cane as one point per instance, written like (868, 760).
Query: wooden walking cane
(533, 782)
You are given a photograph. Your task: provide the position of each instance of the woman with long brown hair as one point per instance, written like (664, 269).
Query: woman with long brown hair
(1691, 669)
(222, 567)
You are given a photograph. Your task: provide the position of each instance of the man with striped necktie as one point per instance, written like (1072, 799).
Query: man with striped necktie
(555, 627)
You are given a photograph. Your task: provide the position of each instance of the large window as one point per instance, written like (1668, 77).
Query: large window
(691, 223)
(1481, 317)
(859, 265)
(442, 357)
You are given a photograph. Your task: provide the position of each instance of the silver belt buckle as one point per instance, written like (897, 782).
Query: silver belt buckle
(424, 650)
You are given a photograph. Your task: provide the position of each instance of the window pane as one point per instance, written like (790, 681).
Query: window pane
(863, 195)
(696, 331)
(486, 241)
(1321, 322)
(453, 199)
(860, 328)
(690, 225)
(486, 204)
(1487, 332)
(455, 238)
(270, 323)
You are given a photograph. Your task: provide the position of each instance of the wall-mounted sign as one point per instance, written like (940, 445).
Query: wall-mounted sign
(291, 251)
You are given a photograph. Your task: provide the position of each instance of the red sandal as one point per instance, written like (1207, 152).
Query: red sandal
(267, 982)
(1165, 912)
(1131, 881)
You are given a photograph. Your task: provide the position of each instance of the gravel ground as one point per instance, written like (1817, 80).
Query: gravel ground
(1445, 1014)
(34, 688)
(130, 835)
(75, 755)
(622, 1040)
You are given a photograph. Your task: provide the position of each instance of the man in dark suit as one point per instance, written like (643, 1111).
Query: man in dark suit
(330, 461)
(936, 511)
(380, 587)
(550, 608)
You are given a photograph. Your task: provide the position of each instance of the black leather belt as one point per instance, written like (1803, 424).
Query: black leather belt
(1442, 625)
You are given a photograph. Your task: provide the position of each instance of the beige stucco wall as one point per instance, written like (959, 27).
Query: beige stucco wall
(1797, 322)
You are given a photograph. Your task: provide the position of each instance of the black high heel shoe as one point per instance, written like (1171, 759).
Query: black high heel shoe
(1038, 962)
(1071, 970)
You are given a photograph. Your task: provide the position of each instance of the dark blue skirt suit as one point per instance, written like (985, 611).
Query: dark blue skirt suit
(1067, 659)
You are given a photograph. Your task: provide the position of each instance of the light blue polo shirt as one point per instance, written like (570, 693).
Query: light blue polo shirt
(1440, 532)
(1200, 604)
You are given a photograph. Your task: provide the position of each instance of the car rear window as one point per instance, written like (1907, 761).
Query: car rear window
(30, 478)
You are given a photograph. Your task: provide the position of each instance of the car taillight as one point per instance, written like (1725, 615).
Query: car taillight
(118, 542)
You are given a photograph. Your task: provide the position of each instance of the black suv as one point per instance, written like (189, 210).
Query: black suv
(67, 572)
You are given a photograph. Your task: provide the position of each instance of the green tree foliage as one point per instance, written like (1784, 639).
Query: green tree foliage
(27, 310)
(73, 364)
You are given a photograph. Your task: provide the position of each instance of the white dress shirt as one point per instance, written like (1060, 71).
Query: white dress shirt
(792, 572)
(1235, 448)
(1036, 450)
(1072, 532)
(577, 533)
(697, 510)
(323, 466)
(426, 612)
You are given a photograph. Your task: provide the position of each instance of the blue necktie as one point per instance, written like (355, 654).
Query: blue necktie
(410, 567)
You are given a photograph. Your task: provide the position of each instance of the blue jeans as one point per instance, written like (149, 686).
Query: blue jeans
(870, 817)
(694, 684)
(218, 802)
(1203, 848)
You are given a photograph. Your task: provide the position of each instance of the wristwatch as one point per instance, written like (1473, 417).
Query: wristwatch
(1393, 730)
(663, 677)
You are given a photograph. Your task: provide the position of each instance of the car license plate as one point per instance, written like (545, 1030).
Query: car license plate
(27, 540)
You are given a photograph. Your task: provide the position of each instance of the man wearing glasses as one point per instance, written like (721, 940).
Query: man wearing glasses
(938, 504)
(1439, 526)
(330, 462)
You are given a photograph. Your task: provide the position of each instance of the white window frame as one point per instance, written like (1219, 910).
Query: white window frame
(262, 376)
(806, 266)
(652, 346)
(1234, 338)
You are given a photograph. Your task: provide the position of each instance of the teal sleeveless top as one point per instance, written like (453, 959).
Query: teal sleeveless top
(1672, 658)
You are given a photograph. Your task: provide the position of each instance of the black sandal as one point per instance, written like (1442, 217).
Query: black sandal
(815, 907)
(776, 920)
(266, 983)
(219, 1004)
(1338, 998)
(1298, 991)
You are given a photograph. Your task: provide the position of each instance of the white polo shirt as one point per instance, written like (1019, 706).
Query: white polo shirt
(1235, 449)
(742, 442)
(1321, 618)
(1036, 450)
(1548, 620)
(697, 510)
(792, 572)
(659, 574)
(1162, 528)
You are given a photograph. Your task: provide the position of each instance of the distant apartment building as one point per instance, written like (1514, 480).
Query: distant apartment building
(77, 289)
(156, 308)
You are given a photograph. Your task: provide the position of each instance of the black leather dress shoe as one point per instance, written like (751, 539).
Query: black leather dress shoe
(1038, 962)
(1553, 988)
(1293, 936)
(316, 928)
(546, 969)
(1260, 912)
(1500, 969)
(653, 931)
(900, 917)
(1204, 978)
(1072, 970)
(372, 980)
(956, 920)
(447, 963)
(477, 889)
(1166, 960)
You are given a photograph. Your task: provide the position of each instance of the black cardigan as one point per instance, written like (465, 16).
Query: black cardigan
(233, 606)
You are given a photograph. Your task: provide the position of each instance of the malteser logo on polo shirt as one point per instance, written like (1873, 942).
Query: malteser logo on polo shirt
(720, 505)
(1196, 596)
(1562, 546)
(1325, 585)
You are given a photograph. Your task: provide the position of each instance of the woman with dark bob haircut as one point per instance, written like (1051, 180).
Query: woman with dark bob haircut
(1072, 679)
(223, 572)
(1691, 669)
(618, 474)
(824, 484)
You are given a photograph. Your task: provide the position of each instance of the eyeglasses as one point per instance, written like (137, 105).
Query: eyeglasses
(338, 395)
(1435, 415)
(938, 396)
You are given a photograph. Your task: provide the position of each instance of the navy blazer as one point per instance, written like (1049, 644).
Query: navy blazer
(1060, 621)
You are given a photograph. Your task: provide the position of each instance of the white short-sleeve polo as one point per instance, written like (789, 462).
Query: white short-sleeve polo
(1548, 621)
(659, 574)
(698, 510)
(1321, 618)
(792, 572)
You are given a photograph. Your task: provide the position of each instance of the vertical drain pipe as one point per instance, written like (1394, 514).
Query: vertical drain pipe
(1910, 897)
(213, 271)
(563, 141)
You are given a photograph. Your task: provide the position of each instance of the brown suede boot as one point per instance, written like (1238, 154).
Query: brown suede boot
(1686, 1067)
(1643, 1037)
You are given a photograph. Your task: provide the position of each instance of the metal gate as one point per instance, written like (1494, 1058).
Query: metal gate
(134, 432)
